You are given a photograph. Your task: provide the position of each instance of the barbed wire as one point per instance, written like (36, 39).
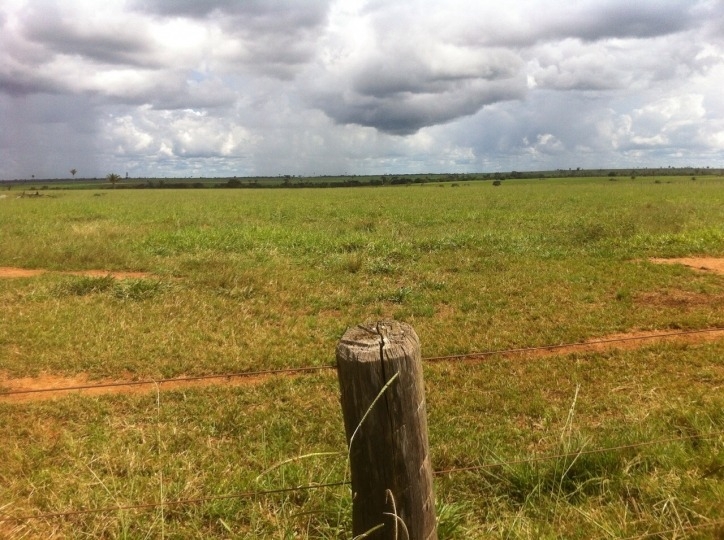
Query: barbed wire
(177, 502)
(325, 367)
(621, 339)
(309, 487)
(307, 369)
(188, 379)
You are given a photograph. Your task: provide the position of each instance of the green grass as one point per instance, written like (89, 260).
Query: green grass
(256, 279)
(248, 279)
(113, 451)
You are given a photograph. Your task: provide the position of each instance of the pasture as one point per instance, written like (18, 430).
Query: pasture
(230, 281)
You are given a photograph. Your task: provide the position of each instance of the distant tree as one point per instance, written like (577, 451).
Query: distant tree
(73, 171)
(113, 178)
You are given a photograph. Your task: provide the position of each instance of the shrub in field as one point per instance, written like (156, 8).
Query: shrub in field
(366, 225)
(353, 263)
(113, 178)
(136, 289)
(382, 265)
(399, 296)
(85, 285)
(130, 289)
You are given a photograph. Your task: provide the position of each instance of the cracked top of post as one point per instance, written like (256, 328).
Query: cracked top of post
(374, 336)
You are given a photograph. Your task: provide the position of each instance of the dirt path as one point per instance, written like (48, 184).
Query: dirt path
(706, 264)
(709, 264)
(7, 272)
(49, 386)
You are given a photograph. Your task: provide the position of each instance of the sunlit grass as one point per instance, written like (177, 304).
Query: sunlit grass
(103, 452)
(246, 280)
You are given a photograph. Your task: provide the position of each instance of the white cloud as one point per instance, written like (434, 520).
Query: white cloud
(180, 133)
(226, 87)
(545, 143)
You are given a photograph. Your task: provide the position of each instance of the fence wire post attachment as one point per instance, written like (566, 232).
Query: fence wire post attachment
(383, 402)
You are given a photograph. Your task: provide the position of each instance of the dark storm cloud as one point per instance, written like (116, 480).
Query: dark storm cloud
(413, 77)
(96, 44)
(280, 35)
(20, 83)
(404, 113)
(526, 23)
(622, 19)
(47, 135)
(59, 31)
(45, 50)
(393, 74)
(400, 80)
(261, 14)
(186, 8)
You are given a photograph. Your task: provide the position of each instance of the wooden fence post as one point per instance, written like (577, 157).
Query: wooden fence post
(385, 419)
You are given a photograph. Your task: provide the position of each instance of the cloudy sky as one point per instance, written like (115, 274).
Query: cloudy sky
(246, 87)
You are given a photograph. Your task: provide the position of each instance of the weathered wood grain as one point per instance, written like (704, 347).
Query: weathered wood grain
(388, 450)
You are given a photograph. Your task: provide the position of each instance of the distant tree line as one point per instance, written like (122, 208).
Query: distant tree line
(291, 181)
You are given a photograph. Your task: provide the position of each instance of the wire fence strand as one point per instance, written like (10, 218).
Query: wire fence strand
(189, 379)
(325, 367)
(309, 487)
(178, 502)
(309, 369)
(593, 343)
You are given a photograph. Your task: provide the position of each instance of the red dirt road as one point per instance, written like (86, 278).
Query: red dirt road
(48, 386)
(7, 272)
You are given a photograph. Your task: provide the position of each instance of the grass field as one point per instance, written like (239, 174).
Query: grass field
(243, 280)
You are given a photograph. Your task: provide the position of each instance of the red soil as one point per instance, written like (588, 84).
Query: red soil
(10, 272)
